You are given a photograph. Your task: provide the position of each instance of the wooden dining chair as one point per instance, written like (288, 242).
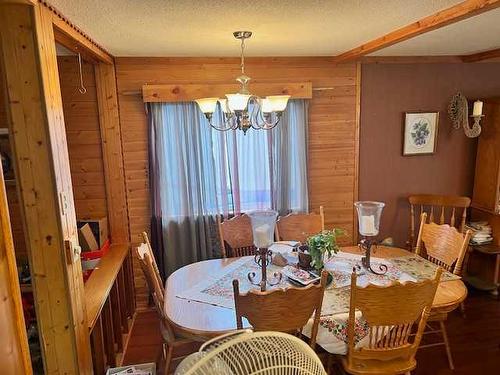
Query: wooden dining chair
(446, 247)
(299, 227)
(149, 267)
(284, 310)
(441, 209)
(391, 312)
(236, 236)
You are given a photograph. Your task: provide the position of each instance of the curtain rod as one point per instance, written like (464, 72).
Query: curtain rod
(139, 93)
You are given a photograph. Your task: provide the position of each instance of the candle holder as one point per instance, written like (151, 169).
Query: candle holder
(263, 257)
(458, 110)
(263, 225)
(369, 214)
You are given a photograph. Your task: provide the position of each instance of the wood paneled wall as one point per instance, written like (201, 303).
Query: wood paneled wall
(332, 127)
(81, 118)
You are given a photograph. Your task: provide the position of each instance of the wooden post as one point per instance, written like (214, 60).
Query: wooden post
(117, 316)
(109, 339)
(98, 348)
(114, 174)
(36, 122)
(14, 351)
(123, 300)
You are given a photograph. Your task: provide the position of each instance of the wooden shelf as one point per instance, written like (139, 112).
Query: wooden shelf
(100, 282)
(490, 249)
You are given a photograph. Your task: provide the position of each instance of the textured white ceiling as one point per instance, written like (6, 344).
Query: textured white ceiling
(281, 27)
(476, 34)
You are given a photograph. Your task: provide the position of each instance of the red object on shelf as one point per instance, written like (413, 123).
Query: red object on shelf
(90, 259)
(96, 254)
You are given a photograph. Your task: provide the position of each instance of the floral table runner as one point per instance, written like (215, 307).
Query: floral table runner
(332, 336)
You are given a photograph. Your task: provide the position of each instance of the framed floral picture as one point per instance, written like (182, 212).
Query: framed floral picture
(420, 133)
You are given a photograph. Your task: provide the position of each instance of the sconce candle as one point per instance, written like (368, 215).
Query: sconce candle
(478, 108)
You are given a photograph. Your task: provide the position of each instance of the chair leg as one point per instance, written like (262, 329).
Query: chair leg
(446, 344)
(462, 309)
(168, 359)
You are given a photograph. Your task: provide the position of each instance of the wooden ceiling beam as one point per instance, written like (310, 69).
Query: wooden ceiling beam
(486, 55)
(74, 39)
(436, 59)
(459, 12)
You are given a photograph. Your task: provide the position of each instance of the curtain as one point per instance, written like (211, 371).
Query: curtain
(200, 172)
(288, 165)
(186, 183)
(265, 169)
(155, 188)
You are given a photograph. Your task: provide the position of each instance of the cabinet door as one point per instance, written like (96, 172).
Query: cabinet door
(487, 179)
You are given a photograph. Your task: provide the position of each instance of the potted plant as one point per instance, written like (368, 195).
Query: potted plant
(319, 246)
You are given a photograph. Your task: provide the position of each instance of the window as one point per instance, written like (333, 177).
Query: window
(203, 171)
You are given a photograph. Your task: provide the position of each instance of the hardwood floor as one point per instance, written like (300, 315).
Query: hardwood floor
(475, 340)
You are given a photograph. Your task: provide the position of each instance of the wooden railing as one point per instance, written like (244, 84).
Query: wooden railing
(110, 303)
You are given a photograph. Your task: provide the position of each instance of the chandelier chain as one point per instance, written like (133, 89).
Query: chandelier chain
(242, 64)
(243, 110)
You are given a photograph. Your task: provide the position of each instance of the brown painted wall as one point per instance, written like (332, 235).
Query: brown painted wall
(387, 91)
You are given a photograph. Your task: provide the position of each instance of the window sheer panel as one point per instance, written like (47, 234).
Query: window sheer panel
(186, 147)
(289, 159)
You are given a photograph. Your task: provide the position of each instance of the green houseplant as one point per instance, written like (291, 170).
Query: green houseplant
(321, 244)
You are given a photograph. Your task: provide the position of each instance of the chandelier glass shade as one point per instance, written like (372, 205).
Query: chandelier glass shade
(243, 110)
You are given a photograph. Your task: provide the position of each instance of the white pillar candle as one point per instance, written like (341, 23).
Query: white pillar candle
(478, 108)
(261, 239)
(368, 226)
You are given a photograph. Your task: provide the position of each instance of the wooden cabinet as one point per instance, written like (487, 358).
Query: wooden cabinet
(486, 196)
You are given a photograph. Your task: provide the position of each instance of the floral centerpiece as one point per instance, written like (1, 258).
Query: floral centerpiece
(323, 244)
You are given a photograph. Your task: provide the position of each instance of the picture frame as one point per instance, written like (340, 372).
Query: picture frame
(420, 130)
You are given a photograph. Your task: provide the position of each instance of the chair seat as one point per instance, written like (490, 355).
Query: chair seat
(376, 367)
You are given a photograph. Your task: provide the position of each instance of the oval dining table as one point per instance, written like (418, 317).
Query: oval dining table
(201, 321)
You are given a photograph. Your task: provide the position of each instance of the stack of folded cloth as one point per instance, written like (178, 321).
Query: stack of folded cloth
(481, 232)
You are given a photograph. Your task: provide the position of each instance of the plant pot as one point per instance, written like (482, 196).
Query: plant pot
(304, 258)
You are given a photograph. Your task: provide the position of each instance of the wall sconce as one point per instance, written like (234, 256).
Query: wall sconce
(458, 110)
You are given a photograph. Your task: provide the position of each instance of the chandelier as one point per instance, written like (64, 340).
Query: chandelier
(243, 110)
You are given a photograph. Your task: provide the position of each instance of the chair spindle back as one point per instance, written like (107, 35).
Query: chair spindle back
(443, 245)
(299, 227)
(441, 209)
(236, 233)
(390, 321)
(283, 310)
